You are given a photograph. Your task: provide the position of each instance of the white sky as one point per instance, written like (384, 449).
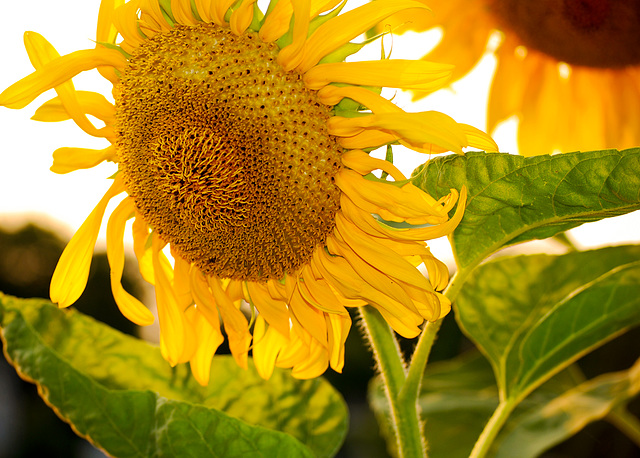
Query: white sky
(28, 190)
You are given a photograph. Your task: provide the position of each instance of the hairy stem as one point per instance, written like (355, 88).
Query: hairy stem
(404, 412)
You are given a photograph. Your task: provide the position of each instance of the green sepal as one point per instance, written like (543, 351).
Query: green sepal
(165, 8)
(115, 47)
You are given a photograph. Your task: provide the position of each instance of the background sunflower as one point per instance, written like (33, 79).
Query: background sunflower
(568, 70)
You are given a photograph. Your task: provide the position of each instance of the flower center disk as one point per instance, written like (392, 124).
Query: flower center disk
(593, 33)
(225, 154)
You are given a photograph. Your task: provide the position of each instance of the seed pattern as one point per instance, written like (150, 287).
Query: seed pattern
(226, 155)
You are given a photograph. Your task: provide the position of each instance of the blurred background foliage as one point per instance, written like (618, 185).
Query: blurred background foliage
(29, 428)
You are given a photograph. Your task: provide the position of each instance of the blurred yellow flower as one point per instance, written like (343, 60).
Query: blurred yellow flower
(236, 150)
(568, 69)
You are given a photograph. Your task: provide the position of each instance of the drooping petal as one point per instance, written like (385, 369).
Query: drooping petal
(72, 272)
(267, 344)
(235, 323)
(130, 307)
(427, 132)
(208, 338)
(67, 160)
(274, 310)
(338, 328)
(177, 342)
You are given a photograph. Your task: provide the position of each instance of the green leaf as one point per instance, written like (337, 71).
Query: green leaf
(534, 315)
(534, 431)
(120, 393)
(458, 397)
(513, 199)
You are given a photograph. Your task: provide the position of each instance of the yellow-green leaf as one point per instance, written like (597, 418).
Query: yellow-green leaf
(118, 392)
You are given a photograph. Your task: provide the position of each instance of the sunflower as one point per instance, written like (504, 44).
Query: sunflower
(242, 141)
(568, 70)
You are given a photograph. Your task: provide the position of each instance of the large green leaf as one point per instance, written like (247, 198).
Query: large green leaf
(534, 430)
(458, 397)
(534, 315)
(119, 392)
(513, 199)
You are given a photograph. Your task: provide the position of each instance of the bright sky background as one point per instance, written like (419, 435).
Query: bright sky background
(29, 191)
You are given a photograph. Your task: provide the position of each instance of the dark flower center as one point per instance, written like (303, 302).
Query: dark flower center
(226, 155)
(594, 33)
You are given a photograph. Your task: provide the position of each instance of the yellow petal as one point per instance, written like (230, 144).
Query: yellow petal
(106, 31)
(67, 160)
(478, 139)
(378, 255)
(273, 310)
(204, 9)
(209, 339)
(318, 293)
(311, 319)
(338, 328)
(509, 82)
(331, 95)
(277, 21)
(363, 163)
(370, 275)
(400, 73)
(267, 344)
(181, 280)
(203, 298)
(41, 52)
(70, 277)
(173, 332)
(461, 45)
(345, 27)
(235, 323)
(291, 55)
(153, 11)
(219, 10)
(56, 72)
(182, 13)
(90, 103)
(141, 247)
(345, 279)
(125, 20)
(130, 307)
(425, 132)
(241, 17)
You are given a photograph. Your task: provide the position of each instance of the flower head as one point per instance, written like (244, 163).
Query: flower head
(569, 70)
(242, 143)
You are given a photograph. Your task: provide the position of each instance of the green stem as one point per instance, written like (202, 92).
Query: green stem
(625, 422)
(404, 412)
(492, 428)
(421, 354)
(411, 387)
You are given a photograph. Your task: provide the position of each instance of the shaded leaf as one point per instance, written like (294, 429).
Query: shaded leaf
(513, 199)
(534, 315)
(458, 397)
(537, 430)
(120, 392)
